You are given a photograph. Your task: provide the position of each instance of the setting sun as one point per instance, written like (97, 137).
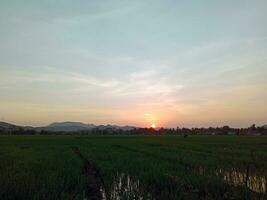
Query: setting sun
(153, 126)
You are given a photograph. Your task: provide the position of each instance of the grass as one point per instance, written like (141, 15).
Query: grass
(158, 167)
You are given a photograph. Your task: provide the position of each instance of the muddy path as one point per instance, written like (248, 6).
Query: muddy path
(94, 182)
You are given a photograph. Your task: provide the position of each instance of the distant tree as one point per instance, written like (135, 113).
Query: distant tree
(252, 129)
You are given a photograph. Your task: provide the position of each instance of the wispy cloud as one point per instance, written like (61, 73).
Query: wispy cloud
(53, 76)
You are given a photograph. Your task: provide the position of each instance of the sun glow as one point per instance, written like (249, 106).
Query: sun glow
(153, 125)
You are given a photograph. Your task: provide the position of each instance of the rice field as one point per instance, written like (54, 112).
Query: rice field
(133, 167)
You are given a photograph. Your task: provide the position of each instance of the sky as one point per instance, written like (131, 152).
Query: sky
(183, 63)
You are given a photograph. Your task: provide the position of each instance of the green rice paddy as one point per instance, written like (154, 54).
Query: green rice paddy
(134, 167)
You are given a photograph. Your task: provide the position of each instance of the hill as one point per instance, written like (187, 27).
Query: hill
(78, 126)
(5, 125)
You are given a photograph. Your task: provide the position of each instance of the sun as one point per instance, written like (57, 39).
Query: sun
(153, 125)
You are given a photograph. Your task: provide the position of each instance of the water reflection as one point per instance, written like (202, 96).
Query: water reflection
(237, 177)
(103, 193)
(127, 187)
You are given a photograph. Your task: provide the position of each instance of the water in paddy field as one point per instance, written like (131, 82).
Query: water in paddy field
(125, 186)
(239, 177)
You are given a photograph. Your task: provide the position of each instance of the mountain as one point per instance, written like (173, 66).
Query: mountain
(78, 126)
(66, 127)
(265, 126)
(115, 127)
(7, 125)
(70, 124)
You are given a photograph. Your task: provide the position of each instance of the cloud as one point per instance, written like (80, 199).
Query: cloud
(53, 76)
(146, 84)
(92, 81)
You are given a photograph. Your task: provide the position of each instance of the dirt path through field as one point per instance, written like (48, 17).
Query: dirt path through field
(94, 183)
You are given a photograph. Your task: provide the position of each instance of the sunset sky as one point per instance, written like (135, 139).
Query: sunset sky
(164, 62)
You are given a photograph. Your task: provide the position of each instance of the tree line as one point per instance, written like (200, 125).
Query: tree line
(225, 130)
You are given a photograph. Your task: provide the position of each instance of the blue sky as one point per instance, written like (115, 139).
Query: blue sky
(173, 63)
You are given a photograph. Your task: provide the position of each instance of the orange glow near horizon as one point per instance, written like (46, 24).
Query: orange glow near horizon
(151, 119)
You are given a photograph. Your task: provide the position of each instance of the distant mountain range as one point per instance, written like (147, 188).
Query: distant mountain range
(66, 127)
(4, 125)
(70, 127)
